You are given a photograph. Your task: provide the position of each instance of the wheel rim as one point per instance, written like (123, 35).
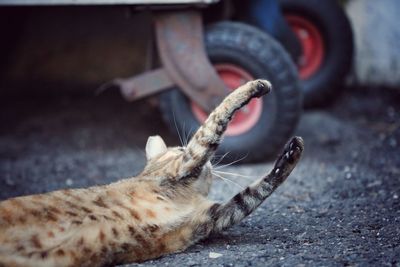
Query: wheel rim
(312, 45)
(245, 118)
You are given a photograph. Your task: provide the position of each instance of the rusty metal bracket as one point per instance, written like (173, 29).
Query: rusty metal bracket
(180, 43)
(144, 84)
(179, 36)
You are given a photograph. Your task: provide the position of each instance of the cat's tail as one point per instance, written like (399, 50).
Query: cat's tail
(207, 138)
(225, 215)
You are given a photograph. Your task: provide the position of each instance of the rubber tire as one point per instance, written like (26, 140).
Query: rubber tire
(329, 17)
(257, 53)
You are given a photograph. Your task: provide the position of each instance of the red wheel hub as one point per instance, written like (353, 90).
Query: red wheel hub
(312, 43)
(246, 117)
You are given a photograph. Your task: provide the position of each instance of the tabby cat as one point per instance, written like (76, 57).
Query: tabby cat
(163, 210)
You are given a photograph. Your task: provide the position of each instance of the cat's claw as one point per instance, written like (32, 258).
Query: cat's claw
(290, 155)
(294, 147)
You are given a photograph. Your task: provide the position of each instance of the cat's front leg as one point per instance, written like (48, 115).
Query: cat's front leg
(222, 216)
(207, 138)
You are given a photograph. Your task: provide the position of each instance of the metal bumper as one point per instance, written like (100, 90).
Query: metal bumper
(106, 2)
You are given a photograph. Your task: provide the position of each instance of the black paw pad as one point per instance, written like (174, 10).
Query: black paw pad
(293, 149)
(289, 157)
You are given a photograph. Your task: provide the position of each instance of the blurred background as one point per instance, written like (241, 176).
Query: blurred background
(43, 44)
(335, 68)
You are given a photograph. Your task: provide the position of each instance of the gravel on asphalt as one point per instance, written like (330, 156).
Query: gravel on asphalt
(340, 207)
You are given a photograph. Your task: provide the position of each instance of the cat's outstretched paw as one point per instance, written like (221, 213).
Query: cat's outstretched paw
(293, 149)
(289, 157)
(262, 87)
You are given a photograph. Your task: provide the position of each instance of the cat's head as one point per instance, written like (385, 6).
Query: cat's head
(165, 163)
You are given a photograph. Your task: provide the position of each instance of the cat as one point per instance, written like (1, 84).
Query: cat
(163, 210)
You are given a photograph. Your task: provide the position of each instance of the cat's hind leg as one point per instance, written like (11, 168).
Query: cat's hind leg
(222, 216)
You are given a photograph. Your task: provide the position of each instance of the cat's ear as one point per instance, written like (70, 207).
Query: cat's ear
(155, 146)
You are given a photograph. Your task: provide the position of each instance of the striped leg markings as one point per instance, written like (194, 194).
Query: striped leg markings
(245, 202)
(207, 138)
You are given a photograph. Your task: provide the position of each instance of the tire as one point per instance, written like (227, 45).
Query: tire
(255, 53)
(330, 22)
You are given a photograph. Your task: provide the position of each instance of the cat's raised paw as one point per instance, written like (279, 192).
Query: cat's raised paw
(293, 149)
(290, 156)
(262, 87)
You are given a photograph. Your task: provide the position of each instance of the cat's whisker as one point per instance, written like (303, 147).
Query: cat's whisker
(220, 159)
(177, 130)
(216, 157)
(184, 136)
(229, 164)
(228, 180)
(189, 135)
(249, 177)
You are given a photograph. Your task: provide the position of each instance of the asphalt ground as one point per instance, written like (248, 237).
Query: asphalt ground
(340, 207)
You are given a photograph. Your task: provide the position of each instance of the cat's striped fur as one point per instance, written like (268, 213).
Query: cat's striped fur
(161, 211)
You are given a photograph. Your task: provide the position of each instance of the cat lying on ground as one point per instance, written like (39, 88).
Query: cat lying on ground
(163, 210)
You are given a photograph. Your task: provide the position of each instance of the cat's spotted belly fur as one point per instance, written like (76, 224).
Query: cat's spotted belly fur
(95, 226)
(161, 211)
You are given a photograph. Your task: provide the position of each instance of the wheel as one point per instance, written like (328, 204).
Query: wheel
(240, 53)
(326, 37)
